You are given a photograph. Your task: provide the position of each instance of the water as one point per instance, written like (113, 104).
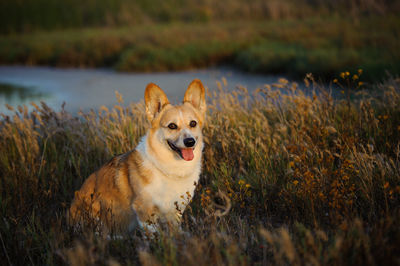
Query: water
(85, 89)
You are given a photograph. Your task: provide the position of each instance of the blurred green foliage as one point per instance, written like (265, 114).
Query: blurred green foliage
(323, 46)
(30, 15)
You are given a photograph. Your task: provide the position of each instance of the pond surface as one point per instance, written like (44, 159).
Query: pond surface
(91, 88)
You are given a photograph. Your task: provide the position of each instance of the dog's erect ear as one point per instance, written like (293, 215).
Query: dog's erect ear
(77, 195)
(195, 94)
(155, 100)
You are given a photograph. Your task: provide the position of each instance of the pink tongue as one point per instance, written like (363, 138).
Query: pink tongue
(187, 154)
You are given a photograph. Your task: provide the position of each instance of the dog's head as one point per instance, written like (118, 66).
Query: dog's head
(177, 128)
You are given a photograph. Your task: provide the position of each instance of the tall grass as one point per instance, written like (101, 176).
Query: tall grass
(288, 178)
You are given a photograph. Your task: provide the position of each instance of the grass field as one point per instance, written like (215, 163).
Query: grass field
(288, 179)
(323, 46)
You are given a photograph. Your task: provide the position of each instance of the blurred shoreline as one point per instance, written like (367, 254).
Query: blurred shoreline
(294, 47)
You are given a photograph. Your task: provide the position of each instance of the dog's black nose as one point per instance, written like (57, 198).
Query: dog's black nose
(189, 142)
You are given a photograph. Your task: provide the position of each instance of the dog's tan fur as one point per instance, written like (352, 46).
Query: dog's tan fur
(147, 183)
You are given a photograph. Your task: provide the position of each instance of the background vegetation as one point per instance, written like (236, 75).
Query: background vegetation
(293, 37)
(31, 15)
(287, 179)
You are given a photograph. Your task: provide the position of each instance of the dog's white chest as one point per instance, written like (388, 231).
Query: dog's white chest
(171, 181)
(166, 192)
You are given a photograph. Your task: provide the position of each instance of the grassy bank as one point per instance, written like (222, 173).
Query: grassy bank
(322, 46)
(302, 180)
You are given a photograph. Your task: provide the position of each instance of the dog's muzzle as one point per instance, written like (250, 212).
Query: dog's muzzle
(184, 153)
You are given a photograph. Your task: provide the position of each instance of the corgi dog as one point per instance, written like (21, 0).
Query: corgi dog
(157, 179)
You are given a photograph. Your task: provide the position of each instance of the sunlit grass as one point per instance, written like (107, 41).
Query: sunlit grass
(287, 179)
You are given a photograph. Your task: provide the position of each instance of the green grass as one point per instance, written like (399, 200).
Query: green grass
(323, 46)
(196, 54)
(303, 179)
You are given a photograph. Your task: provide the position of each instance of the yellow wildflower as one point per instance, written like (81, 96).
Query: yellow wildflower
(342, 75)
(335, 81)
(295, 182)
(355, 77)
(360, 71)
(347, 73)
(283, 81)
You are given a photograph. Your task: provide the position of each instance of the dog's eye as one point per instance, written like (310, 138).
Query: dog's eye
(193, 123)
(172, 126)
